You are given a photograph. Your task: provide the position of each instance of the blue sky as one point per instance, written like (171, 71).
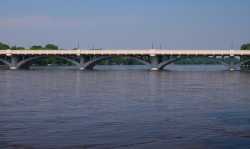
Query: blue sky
(173, 24)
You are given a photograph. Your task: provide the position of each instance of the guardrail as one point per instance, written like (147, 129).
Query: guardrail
(150, 52)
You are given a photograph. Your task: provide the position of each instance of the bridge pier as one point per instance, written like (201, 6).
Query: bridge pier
(82, 62)
(232, 66)
(154, 62)
(13, 68)
(13, 63)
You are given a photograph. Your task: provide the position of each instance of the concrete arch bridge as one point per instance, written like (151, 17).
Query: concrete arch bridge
(155, 59)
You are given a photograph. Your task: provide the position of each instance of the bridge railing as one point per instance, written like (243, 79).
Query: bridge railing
(149, 52)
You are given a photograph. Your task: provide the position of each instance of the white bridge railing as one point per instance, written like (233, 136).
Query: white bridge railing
(149, 52)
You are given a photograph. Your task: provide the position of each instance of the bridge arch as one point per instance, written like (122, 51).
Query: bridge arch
(30, 59)
(243, 62)
(163, 64)
(91, 64)
(5, 62)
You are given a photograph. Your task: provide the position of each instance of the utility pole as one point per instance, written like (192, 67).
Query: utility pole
(78, 44)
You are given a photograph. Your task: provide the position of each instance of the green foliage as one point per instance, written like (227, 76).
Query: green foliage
(51, 61)
(119, 61)
(244, 58)
(245, 46)
(17, 48)
(4, 46)
(51, 47)
(36, 47)
(202, 60)
(46, 47)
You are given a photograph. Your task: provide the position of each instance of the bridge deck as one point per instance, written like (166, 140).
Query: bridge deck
(149, 52)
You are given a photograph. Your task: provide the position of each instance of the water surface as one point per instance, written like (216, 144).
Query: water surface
(69, 109)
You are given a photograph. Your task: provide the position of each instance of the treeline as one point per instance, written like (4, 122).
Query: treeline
(205, 61)
(4, 46)
(245, 46)
(243, 58)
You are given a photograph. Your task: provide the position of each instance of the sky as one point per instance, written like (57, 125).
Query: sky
(130, 24)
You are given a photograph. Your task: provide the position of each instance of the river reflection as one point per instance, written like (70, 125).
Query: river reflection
(67, 109)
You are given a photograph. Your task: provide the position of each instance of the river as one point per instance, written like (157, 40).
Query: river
(185, 108)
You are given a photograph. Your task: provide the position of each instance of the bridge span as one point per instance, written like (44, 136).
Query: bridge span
(155, 59)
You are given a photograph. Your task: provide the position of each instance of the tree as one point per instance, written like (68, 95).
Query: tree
(4, 46)
(17, 48)
(51, 47)
(36, 47)
(244, 58)
(245, 46)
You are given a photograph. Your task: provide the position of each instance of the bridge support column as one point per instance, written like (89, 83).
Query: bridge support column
(13, 64)
(231, 65)
(154, 62)
(82, 61)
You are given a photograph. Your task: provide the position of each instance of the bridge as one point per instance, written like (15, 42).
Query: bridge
(155, 59)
